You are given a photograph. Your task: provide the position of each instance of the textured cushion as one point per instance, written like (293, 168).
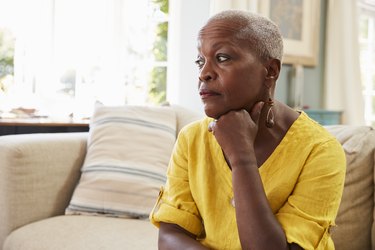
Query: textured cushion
(354, 222)
(84, 232)
(128, 152)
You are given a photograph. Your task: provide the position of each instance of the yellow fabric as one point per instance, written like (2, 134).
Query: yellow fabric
(303, 180)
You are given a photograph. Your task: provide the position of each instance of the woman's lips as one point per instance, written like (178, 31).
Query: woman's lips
(207, 93)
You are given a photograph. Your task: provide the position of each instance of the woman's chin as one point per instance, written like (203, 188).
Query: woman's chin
(212, 113)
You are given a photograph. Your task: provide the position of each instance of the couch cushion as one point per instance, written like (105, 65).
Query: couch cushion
(354, 220)
(128, 152)
(84, 232)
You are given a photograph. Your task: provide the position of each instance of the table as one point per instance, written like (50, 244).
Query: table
(9, 126)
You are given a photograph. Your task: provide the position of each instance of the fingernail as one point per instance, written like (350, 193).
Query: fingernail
(211, 125)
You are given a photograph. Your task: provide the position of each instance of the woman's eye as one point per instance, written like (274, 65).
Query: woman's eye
(199, 62)
(222, 58)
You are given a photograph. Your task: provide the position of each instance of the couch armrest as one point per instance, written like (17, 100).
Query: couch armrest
(38, 173)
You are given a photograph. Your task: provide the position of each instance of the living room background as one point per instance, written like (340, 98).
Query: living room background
(100, 57)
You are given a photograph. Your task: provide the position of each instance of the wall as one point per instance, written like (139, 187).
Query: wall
(186, 18)
(313, 76)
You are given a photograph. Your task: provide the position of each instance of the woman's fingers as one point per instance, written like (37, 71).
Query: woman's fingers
(256, 110)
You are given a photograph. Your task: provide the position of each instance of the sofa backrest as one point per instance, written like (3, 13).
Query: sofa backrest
(355, 220)
(185, 116)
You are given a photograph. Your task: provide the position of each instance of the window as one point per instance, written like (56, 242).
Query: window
(367, 56)
(6, 60)
(69, 54)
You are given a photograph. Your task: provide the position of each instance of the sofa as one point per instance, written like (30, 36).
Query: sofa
(39, 173)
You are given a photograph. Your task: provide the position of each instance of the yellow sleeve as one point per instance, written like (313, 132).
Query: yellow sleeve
(175, 203)
(312, 207)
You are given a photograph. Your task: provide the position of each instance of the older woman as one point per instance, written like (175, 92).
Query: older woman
(254, 174)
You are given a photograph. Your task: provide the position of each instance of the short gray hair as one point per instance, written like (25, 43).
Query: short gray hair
(263, 35)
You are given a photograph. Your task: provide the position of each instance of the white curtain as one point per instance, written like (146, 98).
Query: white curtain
(342, 85)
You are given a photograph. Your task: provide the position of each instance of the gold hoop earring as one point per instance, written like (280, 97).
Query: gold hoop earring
(270, 118)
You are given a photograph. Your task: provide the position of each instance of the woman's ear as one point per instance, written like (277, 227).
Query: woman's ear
(273, 69)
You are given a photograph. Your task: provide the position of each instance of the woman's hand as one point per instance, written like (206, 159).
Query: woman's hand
(235, 132)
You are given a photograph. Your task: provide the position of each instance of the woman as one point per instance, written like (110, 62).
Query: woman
(254, 174)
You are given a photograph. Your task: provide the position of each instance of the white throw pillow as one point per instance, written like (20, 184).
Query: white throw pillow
(128, 151)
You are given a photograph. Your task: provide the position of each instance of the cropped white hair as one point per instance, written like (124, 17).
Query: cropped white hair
(263, 35)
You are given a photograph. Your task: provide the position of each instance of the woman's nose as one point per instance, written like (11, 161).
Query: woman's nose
(207, 73)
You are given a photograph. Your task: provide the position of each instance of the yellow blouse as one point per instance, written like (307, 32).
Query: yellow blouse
(303, 180)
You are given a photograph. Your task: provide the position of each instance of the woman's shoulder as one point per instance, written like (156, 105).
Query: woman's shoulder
(195, 133)
(308, 129)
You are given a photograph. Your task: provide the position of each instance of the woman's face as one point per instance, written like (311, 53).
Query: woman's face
(231, 77)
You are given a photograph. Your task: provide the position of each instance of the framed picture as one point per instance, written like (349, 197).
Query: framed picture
(298, 21)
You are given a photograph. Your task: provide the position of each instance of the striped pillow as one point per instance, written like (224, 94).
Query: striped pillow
(128, 150)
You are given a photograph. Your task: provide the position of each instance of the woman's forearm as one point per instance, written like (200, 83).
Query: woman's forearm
(173, 237)
(257, 225)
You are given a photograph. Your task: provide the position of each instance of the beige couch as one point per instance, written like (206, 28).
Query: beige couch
(38, 173)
